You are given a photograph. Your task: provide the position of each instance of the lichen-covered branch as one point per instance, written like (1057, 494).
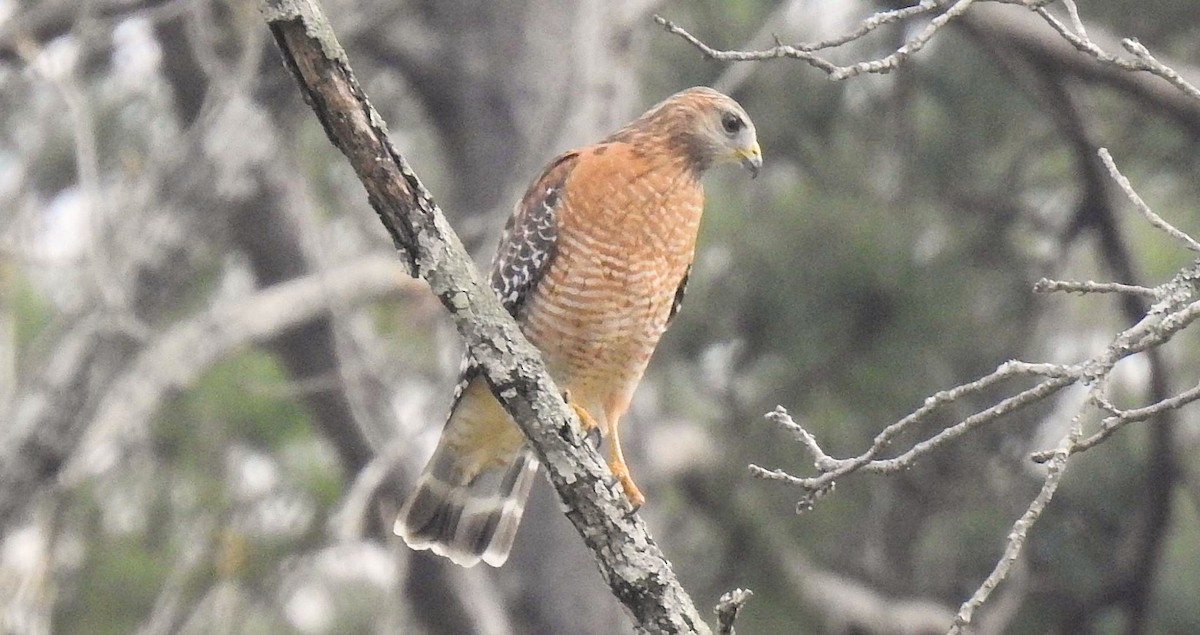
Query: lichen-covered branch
(632, 564)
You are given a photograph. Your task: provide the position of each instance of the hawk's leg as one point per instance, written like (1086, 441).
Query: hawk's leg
(620, 469)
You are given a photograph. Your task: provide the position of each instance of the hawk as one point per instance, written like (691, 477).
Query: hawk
(593, 265)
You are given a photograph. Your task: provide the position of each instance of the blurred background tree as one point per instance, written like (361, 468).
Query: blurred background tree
(215, 379)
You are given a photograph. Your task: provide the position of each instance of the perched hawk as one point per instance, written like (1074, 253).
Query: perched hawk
(593, 265)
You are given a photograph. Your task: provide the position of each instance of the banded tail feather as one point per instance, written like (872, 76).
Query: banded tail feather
(467, 517)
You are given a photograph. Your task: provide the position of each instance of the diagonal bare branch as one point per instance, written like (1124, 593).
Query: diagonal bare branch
(636, 570)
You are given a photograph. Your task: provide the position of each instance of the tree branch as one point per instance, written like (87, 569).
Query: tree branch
(178, 357)
(1025, 32)
(632, 564)
(1142, 59)
(807, 52)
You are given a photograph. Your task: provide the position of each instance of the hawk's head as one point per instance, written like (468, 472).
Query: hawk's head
(703, 125)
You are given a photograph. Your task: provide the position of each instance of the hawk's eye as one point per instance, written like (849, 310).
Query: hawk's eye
(732, 123)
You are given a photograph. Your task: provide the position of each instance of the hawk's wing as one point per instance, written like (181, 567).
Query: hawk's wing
(528, 243)
(677, 303)
(526, 248)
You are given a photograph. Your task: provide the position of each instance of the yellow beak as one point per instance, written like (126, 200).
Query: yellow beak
(751, 158)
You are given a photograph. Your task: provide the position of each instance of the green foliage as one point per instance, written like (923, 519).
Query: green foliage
(32, 314)
(245, 397)
(118, 583)
(1176, 583)
(244, 401)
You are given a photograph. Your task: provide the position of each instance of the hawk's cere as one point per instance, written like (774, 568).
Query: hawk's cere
(593, 265)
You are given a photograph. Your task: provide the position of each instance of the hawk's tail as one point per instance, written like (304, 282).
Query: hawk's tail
(467, 517)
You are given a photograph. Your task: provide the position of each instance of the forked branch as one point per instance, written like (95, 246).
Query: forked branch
(1177, 306)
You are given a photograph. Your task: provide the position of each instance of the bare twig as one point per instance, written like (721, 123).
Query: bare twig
(1143, 60)
(1121, 417)
(1046, 285)
(778, 51)
(874, 22)
(823, 462)
(1076, 21)
(1176, 308)
(806, 52)
(1161, 323)
(1057, 377)
(1141, 205)
(910, 47)
(736, 74)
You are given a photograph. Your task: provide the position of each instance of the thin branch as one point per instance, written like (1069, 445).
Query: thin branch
(1158, 68)
(1046, 285)
(634, 567)
(1076, 21)
(734, 75)
(823, 462)
(805, 52)
(1020, 530)
(1161, 323)
(1143, 60)
(1057, 377)
(910, 47)
(988, 415)
(1122, 417)
(778, 51)
(874, 22)
(1175, 309)
(1141, 205)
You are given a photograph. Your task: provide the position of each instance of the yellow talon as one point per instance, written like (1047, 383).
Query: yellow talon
(585, 420)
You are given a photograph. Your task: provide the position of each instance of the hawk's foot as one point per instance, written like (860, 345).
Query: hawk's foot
(621, 472)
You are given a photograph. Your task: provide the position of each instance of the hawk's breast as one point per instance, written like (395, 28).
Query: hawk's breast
(626, 235)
